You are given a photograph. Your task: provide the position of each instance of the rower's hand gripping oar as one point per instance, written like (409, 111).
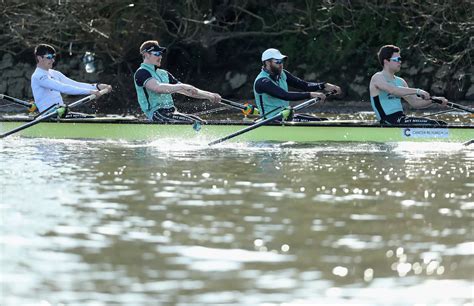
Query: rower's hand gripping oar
(54, 113)
(31, 106)
(453, 105)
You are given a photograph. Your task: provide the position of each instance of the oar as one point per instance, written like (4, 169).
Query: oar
(468, 142)
(52, 114)
(454, 105)
(247, 109)
(210, 111)
(260, 123)
(31, 106)
(438, 113)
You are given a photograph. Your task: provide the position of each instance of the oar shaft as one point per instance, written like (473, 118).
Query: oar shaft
(15, 100)
(27, 125)
(256, 125)
(461, 107)
(438, 113)
(232, 103)
(50, 115)
(247, 109)
(454, 105)
(275, 117)
(245, 130)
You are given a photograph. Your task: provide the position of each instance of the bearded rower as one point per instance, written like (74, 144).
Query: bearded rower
(271, 88)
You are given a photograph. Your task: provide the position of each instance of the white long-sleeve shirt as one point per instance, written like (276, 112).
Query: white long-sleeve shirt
(47, 86)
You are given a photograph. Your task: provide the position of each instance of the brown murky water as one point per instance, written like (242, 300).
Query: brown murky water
(108, 223)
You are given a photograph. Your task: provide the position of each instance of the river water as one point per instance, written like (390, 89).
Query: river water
(178, 223)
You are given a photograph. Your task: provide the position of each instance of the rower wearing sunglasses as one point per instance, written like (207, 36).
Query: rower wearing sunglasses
(386, 89)
(271, 88)
(48, 84)
(154, 87)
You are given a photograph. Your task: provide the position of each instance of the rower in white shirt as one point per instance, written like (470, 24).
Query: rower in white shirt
(47, 84)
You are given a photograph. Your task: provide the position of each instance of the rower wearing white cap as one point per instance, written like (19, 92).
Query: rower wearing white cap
(271, 87)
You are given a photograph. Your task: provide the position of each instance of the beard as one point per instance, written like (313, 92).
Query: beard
(276, 69)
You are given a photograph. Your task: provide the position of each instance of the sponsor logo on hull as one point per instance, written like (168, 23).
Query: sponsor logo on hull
(425, 133)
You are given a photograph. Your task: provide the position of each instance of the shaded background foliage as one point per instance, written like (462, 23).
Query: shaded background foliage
(212, 43)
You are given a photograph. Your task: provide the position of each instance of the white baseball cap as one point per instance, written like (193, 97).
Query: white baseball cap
(272, 53)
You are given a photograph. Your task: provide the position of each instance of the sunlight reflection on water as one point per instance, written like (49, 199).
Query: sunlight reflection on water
(128, 222)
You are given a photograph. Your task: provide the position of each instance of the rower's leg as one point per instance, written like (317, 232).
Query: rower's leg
(186, 117)
(420, 121)
(195, 120)
(163, 115)
(170, 115)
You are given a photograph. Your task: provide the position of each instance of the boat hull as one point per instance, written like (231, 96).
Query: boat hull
(297, 132)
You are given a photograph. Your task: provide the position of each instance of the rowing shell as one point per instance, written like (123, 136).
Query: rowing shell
(134, 129)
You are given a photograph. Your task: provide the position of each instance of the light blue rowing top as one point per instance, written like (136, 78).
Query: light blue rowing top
(386, 104)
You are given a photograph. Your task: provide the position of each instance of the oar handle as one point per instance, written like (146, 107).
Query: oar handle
(453, 105)
(102, 92)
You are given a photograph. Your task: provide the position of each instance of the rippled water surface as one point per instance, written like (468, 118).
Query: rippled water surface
(168, 223)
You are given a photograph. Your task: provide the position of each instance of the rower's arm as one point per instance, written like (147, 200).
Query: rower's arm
(298, 83)
(378, 83)
(414, 100)
(49, 83)
(193, 92)
(64, 79)
(143, 78)
(162, 88)
(265, 85)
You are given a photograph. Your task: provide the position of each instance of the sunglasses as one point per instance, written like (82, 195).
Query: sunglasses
(157, 53)
(277, 61)
(49, 56)
(397, 59)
